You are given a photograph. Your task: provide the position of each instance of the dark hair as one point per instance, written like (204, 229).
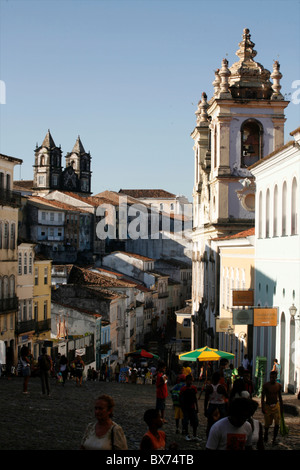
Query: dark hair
(240, 406)
(150, 415)
(216, 377)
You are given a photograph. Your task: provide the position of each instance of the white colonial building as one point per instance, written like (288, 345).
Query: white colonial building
(277, 258)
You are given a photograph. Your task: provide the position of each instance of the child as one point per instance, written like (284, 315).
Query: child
(153, 439)
(176, 403)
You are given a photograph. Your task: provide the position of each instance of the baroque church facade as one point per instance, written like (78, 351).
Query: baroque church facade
(241, 123)
(49, 174)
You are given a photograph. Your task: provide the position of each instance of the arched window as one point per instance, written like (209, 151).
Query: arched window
(251, 146)
(13, 236)
(5, 287)
(12, 286)
(294, 206)
(8, 182)
(6, 235)
(30, 264)
(283, 208)
(275, 212)
(20, 264)
(25, 264)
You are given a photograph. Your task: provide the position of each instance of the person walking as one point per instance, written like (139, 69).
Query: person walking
(215, 401)
(175, 392)
(189, 404)
(239, 390)
(277, 368)
(79, 368)
(257, 428)
(248, 382)
(233, 432)
(25, 367)
(161, 390)
(45, 365)
(271, 405)
(246, 362)
(63, 368)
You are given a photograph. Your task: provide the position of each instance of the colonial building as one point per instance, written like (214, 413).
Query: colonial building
(241, 123)
(9, 206)
(277, 260)
(62, 231)
(234, 321)
(161, 200)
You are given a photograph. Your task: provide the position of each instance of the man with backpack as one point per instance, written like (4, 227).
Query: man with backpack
(45, 365)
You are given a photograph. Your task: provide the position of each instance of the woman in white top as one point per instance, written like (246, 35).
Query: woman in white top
(105, 434)
(239, 390)
(215, 401)
(257, 428)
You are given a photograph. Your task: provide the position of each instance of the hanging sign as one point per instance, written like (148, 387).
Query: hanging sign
(242, 298)
(222, 324)
(242, 316)
(265, 316)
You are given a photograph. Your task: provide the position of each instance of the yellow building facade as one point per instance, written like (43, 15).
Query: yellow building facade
(41, 302)
(234, 324)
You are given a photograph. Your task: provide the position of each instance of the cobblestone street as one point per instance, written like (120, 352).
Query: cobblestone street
(32, 422)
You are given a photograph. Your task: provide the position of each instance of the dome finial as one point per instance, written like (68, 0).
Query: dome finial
(276, 76)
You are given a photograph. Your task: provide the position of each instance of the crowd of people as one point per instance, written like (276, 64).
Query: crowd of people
(229, 407)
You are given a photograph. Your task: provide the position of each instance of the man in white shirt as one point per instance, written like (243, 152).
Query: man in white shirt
(232, 432)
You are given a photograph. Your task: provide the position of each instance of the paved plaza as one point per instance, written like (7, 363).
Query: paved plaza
(32, 422)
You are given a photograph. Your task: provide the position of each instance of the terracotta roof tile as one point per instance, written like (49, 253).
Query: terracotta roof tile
(148, 193)
(134, 255)
(55, 204)
(246, 233)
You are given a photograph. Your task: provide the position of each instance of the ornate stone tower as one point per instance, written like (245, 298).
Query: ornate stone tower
(47, 168)
(80, 161)
(49, 174)
(240, 124)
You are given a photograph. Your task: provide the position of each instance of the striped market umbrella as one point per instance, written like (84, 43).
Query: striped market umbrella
(142, 353)
(205, 354)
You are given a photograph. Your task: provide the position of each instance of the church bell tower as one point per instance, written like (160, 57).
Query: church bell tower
(240, 124)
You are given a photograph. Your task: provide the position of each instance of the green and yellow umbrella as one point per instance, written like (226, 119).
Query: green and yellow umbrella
(205, 354)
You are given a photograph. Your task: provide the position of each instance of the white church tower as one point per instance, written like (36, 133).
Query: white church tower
(241, 123)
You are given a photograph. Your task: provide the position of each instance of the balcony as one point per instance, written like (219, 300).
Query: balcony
(33, 325)
(163, 295)
(10, 198)
(24, 326)
(104, 348)
(9, 305)
(44, 325)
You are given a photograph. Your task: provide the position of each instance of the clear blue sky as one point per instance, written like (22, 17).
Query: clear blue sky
(126, 75)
